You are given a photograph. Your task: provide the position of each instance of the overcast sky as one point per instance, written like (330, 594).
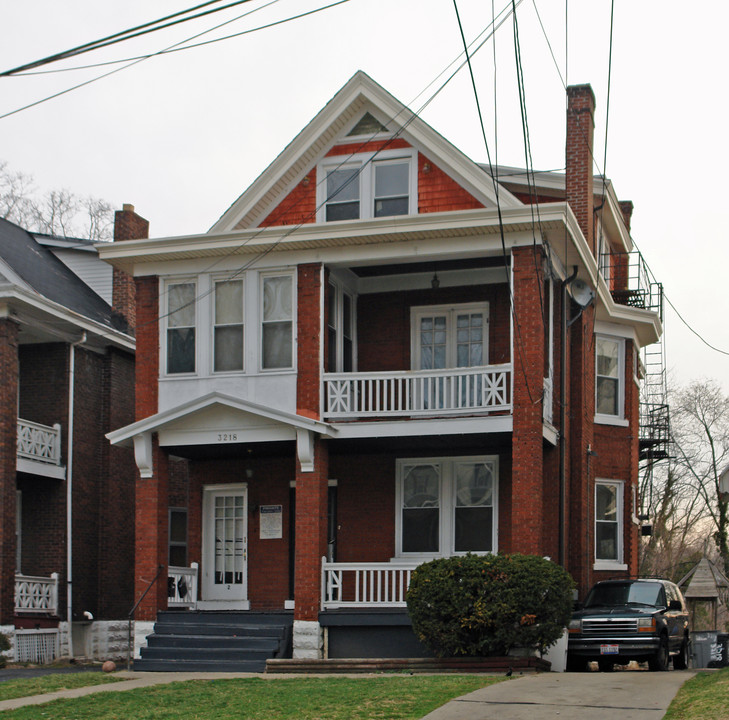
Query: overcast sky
(180, 136)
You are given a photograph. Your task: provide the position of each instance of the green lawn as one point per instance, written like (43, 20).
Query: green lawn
(22, 687)
(704, 697)
(390, 697)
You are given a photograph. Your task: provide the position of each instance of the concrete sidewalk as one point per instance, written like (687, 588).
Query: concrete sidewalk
(570, 696)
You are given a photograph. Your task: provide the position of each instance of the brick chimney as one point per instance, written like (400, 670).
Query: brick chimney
(127, 226)
(626, 208)
(578, 158)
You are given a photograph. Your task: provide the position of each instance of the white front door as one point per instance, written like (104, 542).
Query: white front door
(225, 545)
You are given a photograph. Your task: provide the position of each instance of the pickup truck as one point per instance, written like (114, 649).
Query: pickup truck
(624, 620)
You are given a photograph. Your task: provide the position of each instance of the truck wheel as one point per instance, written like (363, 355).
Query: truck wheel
(659, 661)
(680, 661)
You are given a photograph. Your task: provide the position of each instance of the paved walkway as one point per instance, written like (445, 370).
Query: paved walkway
(567, 696)
(570, 696)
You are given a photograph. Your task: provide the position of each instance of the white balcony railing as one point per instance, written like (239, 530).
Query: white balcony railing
(41, 443)
(418, 392)
(182, 586)
(36, 595)
(364, 584)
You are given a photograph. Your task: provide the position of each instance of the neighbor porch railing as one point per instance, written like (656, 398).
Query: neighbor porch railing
(364, 585)
(182, 586)
(418, 392)
(41, 443)
(36, 595)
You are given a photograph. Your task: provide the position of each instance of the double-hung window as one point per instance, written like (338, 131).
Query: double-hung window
(446, 506)
(367, 186)
(228, 326)
(277, 322)
(609, 377)
(181, 315)
(608, 522)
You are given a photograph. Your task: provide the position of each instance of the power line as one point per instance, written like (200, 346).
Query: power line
(137, 31)
(698, 335)
(171, 48)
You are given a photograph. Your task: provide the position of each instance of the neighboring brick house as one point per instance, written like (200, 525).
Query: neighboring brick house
(67, 364)
(362, 361)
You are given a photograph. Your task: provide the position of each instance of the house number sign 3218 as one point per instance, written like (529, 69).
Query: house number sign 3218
(227, 437)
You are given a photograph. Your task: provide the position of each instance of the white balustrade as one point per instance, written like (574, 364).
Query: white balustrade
(418, 392)
(36, 595)
(364, 585)
(182, 586)
(41, 443)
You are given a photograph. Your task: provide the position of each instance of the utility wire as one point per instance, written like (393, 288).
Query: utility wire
(698, 335)
(137, 31)
(171, 48)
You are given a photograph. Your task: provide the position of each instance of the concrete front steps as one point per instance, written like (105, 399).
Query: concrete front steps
(215, 641)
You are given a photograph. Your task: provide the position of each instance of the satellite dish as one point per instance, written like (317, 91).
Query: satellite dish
(581, 293)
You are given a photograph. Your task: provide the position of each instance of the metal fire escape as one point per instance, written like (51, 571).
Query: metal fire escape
(632, 283)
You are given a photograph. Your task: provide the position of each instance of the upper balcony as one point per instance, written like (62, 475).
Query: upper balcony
(631, 281)
(423, 393)
(39, 449)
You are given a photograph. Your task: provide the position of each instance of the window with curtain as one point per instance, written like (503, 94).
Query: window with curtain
(277, 322)
(181, 328)
(228, 329)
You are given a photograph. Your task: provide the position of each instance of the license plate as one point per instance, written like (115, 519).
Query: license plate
(608, 649)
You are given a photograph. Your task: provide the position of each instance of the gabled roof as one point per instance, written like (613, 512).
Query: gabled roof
(703, 581)
(359, 96)
(33, 267)
(248, 416)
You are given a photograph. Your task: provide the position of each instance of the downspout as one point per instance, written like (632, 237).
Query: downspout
(563, 417)
(69, 491)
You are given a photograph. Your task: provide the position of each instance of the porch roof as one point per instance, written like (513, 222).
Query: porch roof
(247, 419)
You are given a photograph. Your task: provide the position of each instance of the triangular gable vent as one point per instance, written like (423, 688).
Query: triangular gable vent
(368, 125)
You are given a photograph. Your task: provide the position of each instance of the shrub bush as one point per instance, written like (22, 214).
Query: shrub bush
(481, 605)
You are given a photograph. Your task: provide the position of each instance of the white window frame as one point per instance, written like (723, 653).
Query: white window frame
(619, 418)
(336, 324)
(420, 311)
(617, 562)
(214, 282)
(447, 504)
(366, 162)
(165, 314)
(262, 277)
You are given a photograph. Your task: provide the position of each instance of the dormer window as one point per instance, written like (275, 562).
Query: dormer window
(368, 186)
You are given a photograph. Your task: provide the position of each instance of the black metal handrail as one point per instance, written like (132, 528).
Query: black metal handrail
(130, 617)
(631, 281)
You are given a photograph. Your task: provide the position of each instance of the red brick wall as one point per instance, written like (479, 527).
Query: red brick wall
(579, 161)
(127, 226)
(8, 454)
(383, 323)
(151, 535)
(147, 358)
(527, 518)
(309, 314)
(311, 533)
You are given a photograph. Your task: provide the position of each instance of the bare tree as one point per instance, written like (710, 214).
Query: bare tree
(700, 419)
(57, 212)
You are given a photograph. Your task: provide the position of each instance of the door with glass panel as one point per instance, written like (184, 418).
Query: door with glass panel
(446, 338)
(225, 543)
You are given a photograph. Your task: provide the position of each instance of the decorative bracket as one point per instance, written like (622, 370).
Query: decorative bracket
(305, 449)
(143, 454)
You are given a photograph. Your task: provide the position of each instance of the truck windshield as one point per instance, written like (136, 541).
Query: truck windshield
(616, 594)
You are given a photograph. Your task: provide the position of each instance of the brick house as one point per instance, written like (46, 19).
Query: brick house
(67, 363)
(379, 355)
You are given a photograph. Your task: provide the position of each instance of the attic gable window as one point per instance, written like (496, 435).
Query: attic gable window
(368, 186)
